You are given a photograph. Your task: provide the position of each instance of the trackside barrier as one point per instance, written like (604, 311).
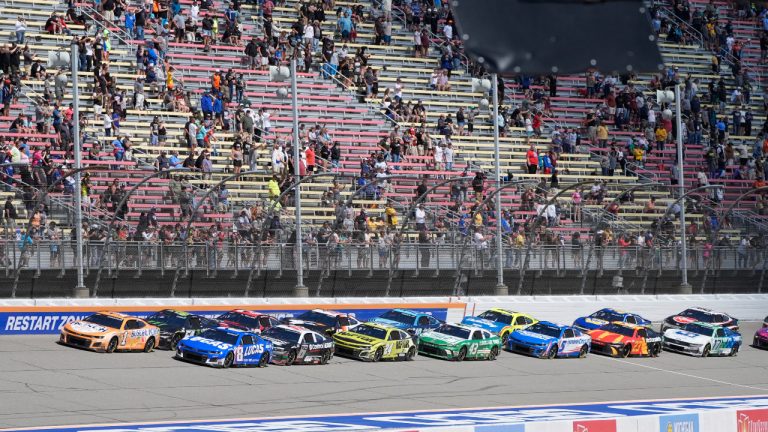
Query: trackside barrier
(47, 316)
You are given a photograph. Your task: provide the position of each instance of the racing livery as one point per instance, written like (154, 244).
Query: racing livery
(109, 332)
(323, 321)
(374, 342)
(500, 321)
(298, 345)
(606, 316)
(459, 342)
(702, 339)
(761, 338)
(247, 320)
(549, 340)
(175, 325)
(619, 339)
(225, 347)
(411, 321)
(698, 314)
(765, 322)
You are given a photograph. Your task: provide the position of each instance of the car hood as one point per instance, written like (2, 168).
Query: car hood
(391, 323)
(279, 343)
(85, 327)
(590, 323)
(356, 339)
(607, 337)
(440, 338)
(531, 337)
(202, 344)
(483, 323)
(238, 326)
(686, 336)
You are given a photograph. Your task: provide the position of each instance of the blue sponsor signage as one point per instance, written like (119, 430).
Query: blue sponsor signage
(501, 428)
(679, 423)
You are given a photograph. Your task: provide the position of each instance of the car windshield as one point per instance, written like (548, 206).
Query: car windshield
(371, 331)
(618, 329)
(699, 329)
(698, 315)
(220, 336)
(607, 315)
(454, 331)
(318, 317)
(398, 316)
(282, 334)
(495, 316)
(244, 320)
(544, 329)
(105, 320)
(168, 319)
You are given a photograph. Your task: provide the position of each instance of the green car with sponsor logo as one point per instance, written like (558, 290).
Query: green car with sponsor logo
(460, 342)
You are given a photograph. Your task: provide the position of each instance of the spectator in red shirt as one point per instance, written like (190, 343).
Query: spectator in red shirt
(310, 155)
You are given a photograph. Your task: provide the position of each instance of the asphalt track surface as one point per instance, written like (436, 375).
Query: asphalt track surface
(43, 383)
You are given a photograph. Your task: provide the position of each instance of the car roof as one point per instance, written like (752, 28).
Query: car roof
(250, 313)
(329, 312)
(295, 328)
(177, 312)
(115, 314)
(505, 311)
(551, 324)
(234, 332)
(379, 326)
(700, 309)
(614, 310)
(465, 327)
(409, 312)
(627, 325)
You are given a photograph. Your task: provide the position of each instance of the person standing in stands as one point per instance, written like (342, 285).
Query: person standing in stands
(532, 160)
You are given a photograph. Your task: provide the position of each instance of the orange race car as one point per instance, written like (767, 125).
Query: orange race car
(619, 339)
(109, 332)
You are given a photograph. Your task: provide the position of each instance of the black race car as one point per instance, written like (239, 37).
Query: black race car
(699, 314)
(325, 322)
(174, 325)
(298, 345)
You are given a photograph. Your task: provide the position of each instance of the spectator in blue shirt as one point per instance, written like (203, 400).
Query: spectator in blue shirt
(345, 27)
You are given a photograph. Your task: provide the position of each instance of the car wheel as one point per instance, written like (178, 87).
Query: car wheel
(734, 351)
(705, 353)
(552, 353)
(626, 351)
(494, 353)
(504, 338)
(175, 341)
(655, 350)
(112, 345)
(583, 351)
(229, 360)
(378, 354)
(411, 354)
(150, 345)
(264, 360)
(291, 358)
(325, 357)
(462, 354)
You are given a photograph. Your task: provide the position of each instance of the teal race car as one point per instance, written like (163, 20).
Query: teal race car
(460, 342)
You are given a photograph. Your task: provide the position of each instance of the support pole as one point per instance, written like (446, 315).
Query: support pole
(685, 287)
(501, 289)
(80, 289)
(299, 290)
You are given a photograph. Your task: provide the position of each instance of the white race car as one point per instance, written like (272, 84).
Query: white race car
(703, 340)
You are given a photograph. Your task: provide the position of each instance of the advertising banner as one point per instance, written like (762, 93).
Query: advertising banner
(755, 420)
(594, 426)
(679, 423)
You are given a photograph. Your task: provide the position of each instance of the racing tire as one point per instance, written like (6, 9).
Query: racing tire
(655, 350)
(112, 345)
(493, 354)
(552, 353)
(325, 358)
(625, 351)
(462, 354)
(228, 360)
(583, 351)
(378, 354)
(734, 351)
(504, 338)
(291, 358)
(705, 352)
(411, 354)
(175, 341)
(149, 345)
(264, 360)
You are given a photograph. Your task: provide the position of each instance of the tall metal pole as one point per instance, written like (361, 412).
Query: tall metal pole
(300, 290)
(80, 290)
(501, 289)
(684, 286)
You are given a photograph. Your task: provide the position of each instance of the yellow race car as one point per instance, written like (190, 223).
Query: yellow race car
(500, 321)
(374, 342)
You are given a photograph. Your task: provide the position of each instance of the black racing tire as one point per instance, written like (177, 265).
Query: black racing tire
(112, 345)
(149, 345)
(175, 341)
(583, 351)
(494, 353)
(264, 360)
(291, 358)
(462, 354)
(625, 351)
(411, 354)
(655, 350)
(228, 360)
(378, 354)
(706, 351)
(325, 357)
(504, 337)
(552, 353)
(734, 351)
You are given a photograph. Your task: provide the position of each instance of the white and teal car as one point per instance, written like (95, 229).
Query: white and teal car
(459, 342)
(702, 340)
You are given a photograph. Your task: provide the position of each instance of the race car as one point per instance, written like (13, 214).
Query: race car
(110, 332)
(374, 342)
(225, 347)
(247, 320)
(619, 339)
(323, 321)
(765, 322)
(549, 340)
(459, 342)
(298, 345)
(702, 340)
(761, 338)
(500, 321)
(703, 315)
(175, 325)
(411, 321)
(606, 316)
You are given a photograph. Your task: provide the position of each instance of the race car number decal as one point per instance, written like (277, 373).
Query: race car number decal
(388, 349)
(239, 353)
(473, 349)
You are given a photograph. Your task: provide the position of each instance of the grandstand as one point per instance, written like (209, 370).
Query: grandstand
(575, 125)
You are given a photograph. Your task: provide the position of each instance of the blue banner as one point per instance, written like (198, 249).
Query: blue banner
(679, 423)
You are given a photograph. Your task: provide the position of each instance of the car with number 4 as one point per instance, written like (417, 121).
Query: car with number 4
(549, 340)
(225, 347)
(699, 314)
(702, 340)
(298, 345)
(500, 321)
(374, 342)
(175, 325)
(411, 321)
(606, 316)
(110, 332)
(459, 342)
(619, 339)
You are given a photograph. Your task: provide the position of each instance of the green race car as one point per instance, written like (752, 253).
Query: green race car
(459, 342)
(374, 342)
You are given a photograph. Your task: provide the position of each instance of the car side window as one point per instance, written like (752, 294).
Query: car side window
(133, 325)
(394, 335)
(487, 335)
(720, 333)
(264, 321)
(308, 338)
(404, 335)
(433, 321)
(273, 322)
(631, 319)
(568, 334)
(247, 340)
(520, 320)
(423, 321)
(641, 333)
(194, 322)
(528, 320)
(477, 335)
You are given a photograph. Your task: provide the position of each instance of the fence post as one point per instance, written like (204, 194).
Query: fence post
(280, 261)
(39, 260)
(437, 259)
(139, 260)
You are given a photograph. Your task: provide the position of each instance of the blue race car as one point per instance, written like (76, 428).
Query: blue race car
(549, 340)
(225, 347)
(411, 321)
(607, 316)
